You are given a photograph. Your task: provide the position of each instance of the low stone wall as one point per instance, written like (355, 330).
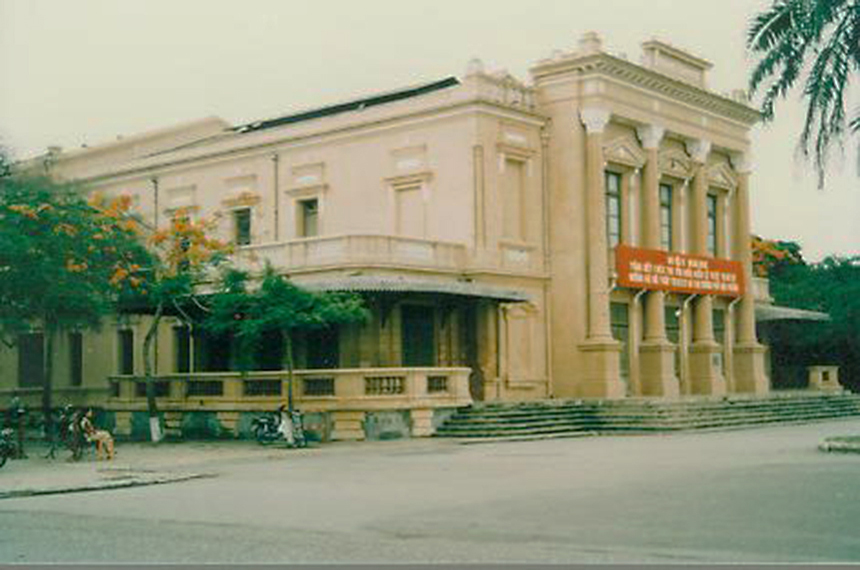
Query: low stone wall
(324, 426)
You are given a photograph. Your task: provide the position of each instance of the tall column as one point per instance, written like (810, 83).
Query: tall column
(705, 373)
(657, 354)
(601, 377)
(749, 366)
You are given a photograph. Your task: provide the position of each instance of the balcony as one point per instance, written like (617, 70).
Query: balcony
(359, 389)
(354, 250)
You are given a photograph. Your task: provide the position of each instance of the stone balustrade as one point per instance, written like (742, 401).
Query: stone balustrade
(358, 389)
(352, 250)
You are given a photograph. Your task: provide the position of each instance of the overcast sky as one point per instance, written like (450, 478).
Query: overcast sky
(85, 71)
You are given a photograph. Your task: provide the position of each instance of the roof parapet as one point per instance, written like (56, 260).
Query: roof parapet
(498, 86)
(674, 62)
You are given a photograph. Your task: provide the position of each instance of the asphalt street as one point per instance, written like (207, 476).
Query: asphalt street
(756, 495)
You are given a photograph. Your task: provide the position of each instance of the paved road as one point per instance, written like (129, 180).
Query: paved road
(754, 495)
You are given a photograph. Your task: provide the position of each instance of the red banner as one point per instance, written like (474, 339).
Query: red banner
(659, 270)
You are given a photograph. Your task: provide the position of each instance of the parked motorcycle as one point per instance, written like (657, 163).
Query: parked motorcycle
(8, 447)
(280, 426)
(69, 434)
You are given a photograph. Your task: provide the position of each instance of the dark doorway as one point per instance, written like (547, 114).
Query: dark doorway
(212, 352)
(418, 335)
(31, 360)
(270, 355)
(323, 349)
(476, 376)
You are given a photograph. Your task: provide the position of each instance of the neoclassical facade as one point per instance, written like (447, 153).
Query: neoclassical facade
(480, 219)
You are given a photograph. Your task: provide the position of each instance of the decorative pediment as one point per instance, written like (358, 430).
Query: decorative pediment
(624, 150)
(245, 198)
(722, 175)
(676, 162)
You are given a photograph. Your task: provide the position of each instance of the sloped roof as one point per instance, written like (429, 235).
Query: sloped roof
(353, 105)
(765, 313)
(402, 284)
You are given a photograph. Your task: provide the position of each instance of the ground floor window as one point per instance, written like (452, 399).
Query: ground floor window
(31, 360)
(76, 358)
(673, 332)
(720, 325)
(182, 349)
(620, 323)
(125, 351)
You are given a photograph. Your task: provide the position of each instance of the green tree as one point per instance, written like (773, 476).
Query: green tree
(816, 42)
(63, 262)
(276, 306)
(831, 286)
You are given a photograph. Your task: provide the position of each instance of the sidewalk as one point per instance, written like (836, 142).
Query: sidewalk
(135, 464)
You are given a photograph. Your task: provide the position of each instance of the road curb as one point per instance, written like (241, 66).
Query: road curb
(106, 485)
(837, 446)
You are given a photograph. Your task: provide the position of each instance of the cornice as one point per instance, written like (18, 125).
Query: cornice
(654, 81)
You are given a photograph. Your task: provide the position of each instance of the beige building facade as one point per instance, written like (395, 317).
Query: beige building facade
(479, 219)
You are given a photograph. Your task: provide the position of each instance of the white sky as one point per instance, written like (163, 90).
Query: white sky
(84, 71)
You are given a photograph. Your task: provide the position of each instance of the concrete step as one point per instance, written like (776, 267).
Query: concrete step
(538, 419)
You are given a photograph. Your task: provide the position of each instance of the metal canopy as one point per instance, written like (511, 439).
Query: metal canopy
(765, 313)
(399, 284)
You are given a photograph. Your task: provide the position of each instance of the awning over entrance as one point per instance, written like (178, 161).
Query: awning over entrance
(765, 313)
(402, 284)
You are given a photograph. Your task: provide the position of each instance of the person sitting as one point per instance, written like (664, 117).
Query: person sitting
(102, 438)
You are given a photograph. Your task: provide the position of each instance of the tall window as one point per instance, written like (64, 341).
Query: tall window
(410, 211)
(720, 325)
(513, 200)
(308, 218)
(242, 226)
(620, 322)
(673, 332)
(712, 224)
(418, 335)
(182, 349)
(31, 360)
(666, 217)
(76, 358)
(613, 208)
(125, 342)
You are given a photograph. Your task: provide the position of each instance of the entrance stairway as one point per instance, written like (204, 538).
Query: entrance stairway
(571, 418)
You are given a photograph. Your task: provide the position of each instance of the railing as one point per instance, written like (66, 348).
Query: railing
(760, 289)
(313, 390)
(354, 250)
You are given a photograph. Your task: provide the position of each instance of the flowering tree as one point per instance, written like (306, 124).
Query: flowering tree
(182, 254)
(767, 254)
(64, 261)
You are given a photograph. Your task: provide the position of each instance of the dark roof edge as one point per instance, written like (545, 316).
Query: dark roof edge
(355, 105)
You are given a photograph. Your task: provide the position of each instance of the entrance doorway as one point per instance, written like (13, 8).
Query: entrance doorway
(418, 335)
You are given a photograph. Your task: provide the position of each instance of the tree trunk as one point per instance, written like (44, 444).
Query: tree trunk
(289, 339)
(151, 405)
(47, 389)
